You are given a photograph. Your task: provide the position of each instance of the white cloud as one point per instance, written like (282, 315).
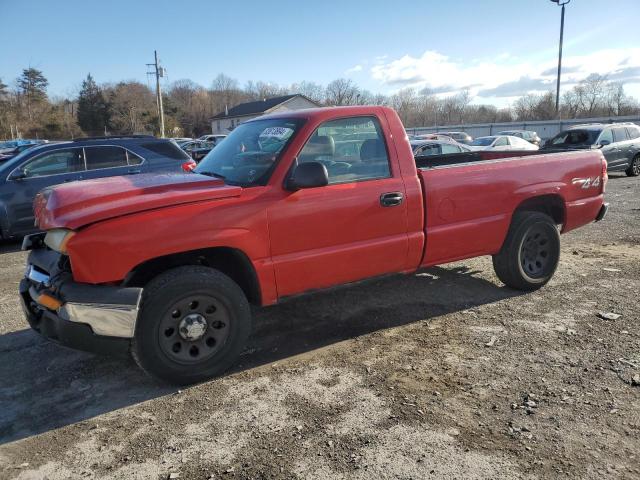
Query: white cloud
(505, 75)
(355, 69)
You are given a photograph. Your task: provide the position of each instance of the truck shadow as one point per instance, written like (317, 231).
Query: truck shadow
(44, 386)
(10, 246)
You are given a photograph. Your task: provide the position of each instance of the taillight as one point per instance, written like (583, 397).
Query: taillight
(189, 165)
(605, 177)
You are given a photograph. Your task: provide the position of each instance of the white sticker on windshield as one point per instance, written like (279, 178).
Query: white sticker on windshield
(277, 132)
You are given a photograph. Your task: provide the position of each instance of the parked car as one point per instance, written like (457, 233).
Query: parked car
(6, 154)
(460, 137)
(23, 176)
(424, 148)
(432, 136)
(197, 149)
(501, 142)
(529, 136)
(618, 142)
(8, 146)
(216, 139)
(283, 217)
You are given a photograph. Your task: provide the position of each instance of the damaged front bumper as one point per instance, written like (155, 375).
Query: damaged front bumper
(96, 318)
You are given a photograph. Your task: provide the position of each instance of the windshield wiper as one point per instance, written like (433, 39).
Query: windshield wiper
(213, 174)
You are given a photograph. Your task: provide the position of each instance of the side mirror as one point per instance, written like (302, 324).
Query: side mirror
(308, 175)
(17, 175)
(604, 143)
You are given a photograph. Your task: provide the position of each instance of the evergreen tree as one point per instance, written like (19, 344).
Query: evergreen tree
(3, 90)
(93, 109)
(33, 87)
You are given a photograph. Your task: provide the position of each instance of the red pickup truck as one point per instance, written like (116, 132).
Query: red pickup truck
(166, 266)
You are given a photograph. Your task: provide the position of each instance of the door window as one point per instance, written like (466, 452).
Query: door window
(620, 134)
(427, 150)
(325, 146)
(606, 136)
(633, 132)
(105, 157)
(502, 142)
(449, 148)
(55, 163)
(133, 159)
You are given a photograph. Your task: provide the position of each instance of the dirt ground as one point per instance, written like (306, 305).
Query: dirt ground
(444, 374)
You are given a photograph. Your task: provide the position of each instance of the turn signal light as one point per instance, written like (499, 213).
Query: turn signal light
(48, 301)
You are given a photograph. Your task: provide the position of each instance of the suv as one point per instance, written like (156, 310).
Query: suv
(461, 137)
(529, 136)
(215, 139)
(24, 175)
(619, 142)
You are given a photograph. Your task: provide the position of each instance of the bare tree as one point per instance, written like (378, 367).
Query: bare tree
(342, 91)
(591, 92)
(313, 91)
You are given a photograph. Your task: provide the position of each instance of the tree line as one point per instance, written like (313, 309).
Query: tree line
(128, 107)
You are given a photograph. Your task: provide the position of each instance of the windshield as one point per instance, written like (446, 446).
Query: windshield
(574, 138)
(250, 153)
(483, 141)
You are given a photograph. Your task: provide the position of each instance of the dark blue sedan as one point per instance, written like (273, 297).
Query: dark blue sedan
(24, 175)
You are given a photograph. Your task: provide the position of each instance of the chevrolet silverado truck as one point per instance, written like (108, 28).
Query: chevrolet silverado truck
(166, 266)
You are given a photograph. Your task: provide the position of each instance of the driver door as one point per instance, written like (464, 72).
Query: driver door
(610, 150)
(349, 229)
(44, 170)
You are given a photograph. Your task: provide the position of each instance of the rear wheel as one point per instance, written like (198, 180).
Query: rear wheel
(634, 168)
(193, 324)
(530, 254)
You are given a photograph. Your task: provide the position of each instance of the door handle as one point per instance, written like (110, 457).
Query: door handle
(391, 199)
(134, 170)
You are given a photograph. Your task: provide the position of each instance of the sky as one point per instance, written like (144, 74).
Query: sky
(497, 49)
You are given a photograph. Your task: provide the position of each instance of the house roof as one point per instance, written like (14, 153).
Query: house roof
(254, 108)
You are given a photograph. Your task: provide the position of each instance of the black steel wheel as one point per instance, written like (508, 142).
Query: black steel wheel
(530, 253)
(192, 325)
(535, 251)
(194, 329)
(634, 168)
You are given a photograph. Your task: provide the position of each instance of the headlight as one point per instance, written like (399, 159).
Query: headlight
(58, 238)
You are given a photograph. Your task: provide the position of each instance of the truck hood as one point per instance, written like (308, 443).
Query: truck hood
(74, 205)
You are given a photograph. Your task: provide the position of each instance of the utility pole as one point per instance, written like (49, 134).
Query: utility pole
(562, 4)
(159, 72)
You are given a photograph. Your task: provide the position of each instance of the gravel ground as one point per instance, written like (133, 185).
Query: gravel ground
(443, 374)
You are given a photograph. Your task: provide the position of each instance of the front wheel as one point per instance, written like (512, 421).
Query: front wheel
(193, 324)
(530, 253)
(634, 168)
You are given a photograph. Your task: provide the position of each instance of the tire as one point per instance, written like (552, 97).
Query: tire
(193, 324)
(530, 253)
(634, 168)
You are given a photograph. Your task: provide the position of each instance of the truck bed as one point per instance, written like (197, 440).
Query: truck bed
(470, 199)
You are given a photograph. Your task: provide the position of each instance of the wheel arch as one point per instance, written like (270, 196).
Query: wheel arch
(550, 204)
(231, 261)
